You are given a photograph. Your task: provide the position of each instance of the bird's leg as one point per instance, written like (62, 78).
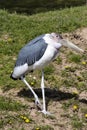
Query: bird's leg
(43, 95)
(37, 101)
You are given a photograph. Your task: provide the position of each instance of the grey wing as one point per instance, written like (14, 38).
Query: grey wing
(31, 52)
(35, 40)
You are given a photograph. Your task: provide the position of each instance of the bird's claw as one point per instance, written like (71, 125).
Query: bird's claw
(46, 112)
(38, 104)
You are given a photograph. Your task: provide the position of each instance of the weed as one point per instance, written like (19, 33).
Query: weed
(66, 105)
(81, 85)
(1, 123)
(49, 70)
(76, 122)
(25, 118)
(59, 60)
(76, 58)
(69, 82)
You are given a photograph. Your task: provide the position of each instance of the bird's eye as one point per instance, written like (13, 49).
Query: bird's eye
(59, 36)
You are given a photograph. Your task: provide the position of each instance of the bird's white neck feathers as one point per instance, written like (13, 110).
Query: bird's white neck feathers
(48, 39)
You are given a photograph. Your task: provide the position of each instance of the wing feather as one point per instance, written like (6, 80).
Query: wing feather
(32, 51)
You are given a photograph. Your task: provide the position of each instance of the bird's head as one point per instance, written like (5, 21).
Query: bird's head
(59, 39)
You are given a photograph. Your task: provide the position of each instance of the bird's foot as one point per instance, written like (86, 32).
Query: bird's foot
(45, 112)
(38, 104)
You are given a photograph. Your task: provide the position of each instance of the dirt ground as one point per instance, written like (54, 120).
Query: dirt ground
(61, 118)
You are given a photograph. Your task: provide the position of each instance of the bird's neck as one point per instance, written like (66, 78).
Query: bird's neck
(51, 42)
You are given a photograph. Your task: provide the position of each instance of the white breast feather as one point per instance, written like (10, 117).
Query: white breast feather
(46, 58)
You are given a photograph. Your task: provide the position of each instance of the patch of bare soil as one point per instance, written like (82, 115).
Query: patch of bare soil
(79, 37)
(56, 100)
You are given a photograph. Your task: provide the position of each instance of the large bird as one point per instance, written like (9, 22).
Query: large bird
(36, 55)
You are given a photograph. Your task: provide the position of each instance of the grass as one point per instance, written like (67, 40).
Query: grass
(76, 122)
(10, 105)
(76, 58)
(15, 31)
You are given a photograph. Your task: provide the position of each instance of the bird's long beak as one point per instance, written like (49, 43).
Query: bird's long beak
(71, 45)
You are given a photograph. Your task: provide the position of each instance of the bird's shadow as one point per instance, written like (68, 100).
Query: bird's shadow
(51, 94)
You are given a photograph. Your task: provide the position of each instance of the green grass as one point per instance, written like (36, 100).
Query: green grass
(10, 105)
(76, 122)
(76, 58)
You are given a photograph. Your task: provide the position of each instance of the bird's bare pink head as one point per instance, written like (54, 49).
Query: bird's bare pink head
(59, 39)
(56, 37)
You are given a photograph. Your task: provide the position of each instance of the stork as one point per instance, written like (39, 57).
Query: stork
(36, 55)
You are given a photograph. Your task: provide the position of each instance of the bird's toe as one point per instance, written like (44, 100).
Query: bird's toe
(46, 112)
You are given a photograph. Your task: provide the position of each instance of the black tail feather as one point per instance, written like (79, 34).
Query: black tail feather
(13, 77)
(16, 78)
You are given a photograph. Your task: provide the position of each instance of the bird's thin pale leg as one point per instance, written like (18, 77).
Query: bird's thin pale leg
(43, 95)
(37, 101)
(43, 92)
